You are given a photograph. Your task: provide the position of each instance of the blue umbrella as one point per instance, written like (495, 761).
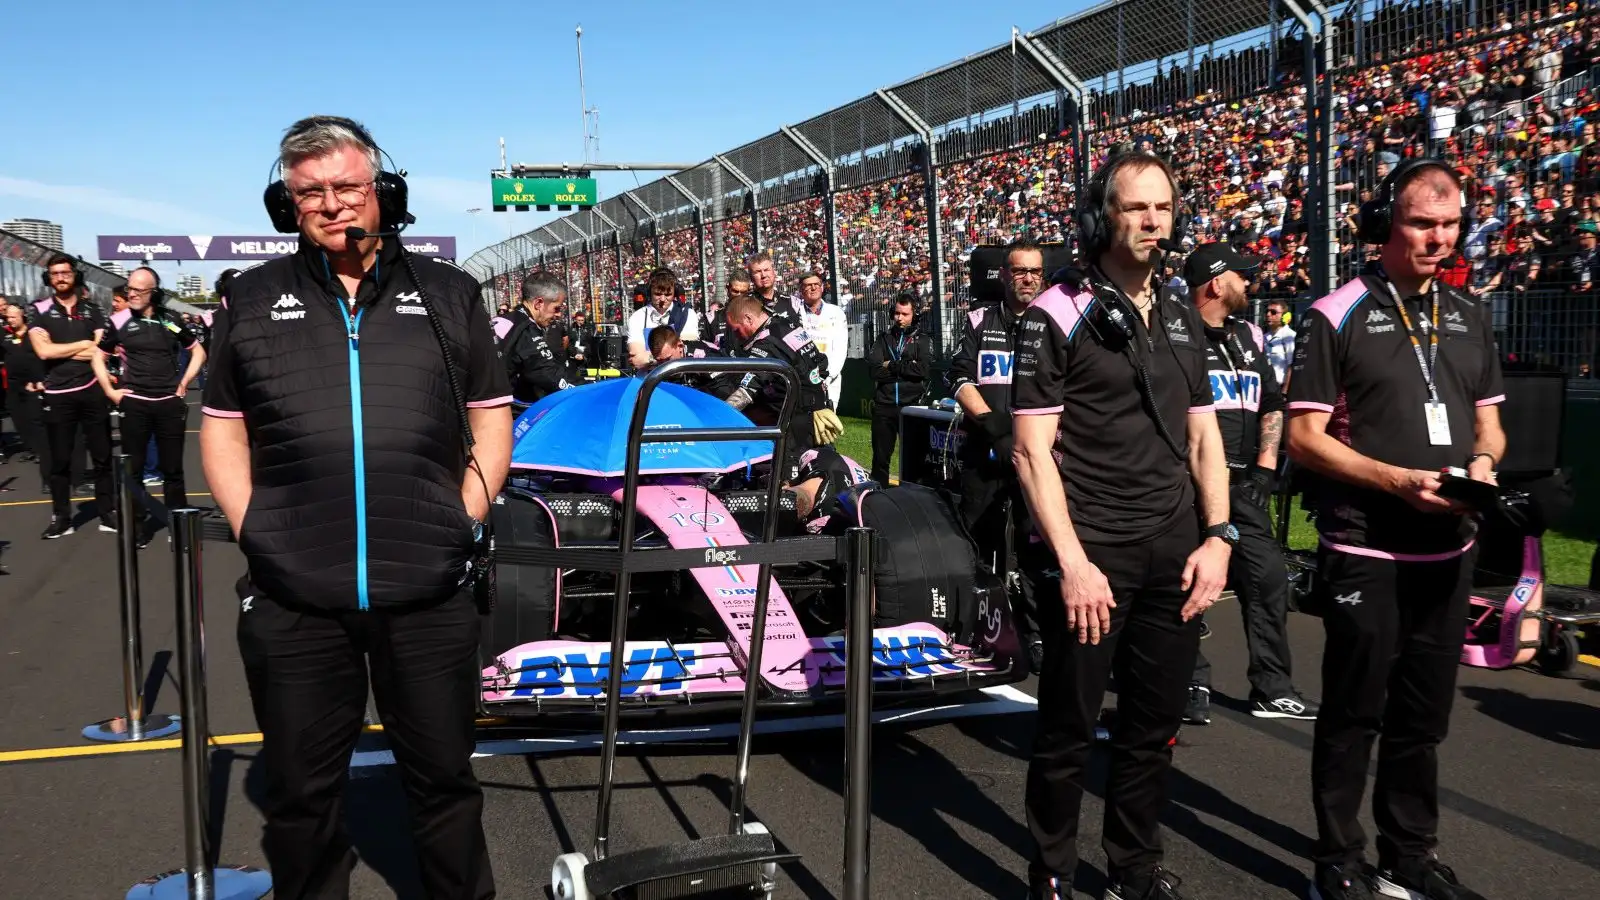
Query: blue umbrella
(584, 431)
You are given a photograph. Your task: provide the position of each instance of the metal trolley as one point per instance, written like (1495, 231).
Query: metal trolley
(745, 858)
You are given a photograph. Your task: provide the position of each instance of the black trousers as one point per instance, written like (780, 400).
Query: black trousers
(27, 417)
(1394, 635)
(1256, 574)
(86, 412)
(885, 432)
(165, 419)
(1152, 650)
(307, 672)
(992, 501)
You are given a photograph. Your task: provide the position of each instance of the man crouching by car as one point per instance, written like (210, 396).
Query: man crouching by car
(333, 442)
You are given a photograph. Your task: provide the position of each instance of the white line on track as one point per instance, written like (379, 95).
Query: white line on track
(1003, 700)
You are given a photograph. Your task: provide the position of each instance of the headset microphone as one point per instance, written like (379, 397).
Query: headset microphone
(1168, 245)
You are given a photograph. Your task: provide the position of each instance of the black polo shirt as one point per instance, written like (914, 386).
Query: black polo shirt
(149, 347)
(1354, 360)
(63, 326)
(1124, 483)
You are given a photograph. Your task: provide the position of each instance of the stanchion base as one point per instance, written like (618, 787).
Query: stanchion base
(157, 726)
(228, 883)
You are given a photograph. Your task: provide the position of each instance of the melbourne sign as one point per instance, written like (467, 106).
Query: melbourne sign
(228, 247)
(542, 192)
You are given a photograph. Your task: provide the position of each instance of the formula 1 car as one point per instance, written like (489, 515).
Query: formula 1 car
(942, 622)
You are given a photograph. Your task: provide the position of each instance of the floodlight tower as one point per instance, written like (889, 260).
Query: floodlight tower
(591, 115)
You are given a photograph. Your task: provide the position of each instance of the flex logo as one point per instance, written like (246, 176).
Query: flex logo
(722, 557)
(994, 367)
(288, 307)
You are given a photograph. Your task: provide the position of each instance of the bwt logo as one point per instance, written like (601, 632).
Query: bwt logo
(1245, 393)
(722, 557)
(994, 365)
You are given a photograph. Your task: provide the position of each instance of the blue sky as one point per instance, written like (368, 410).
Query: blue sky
(162, 118)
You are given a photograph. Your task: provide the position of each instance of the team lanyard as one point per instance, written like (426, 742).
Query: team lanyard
(1429, 363)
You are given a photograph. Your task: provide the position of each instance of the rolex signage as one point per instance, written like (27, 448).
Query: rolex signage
(544, 193)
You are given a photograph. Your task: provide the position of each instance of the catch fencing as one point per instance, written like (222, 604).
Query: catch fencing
(890, 193)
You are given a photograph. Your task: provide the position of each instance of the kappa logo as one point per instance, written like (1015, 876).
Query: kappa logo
(1377, 315)
(722, 557)
(287, 301)
(1352, 599)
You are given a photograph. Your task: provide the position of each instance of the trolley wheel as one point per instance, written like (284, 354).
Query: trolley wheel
(566, 877)
(769, 871)
(1559, 651)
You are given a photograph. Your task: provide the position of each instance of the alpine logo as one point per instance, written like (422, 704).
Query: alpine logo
(1352, 599)
(246, 603)
(722, 557)
(1377, 315)
(409, 297)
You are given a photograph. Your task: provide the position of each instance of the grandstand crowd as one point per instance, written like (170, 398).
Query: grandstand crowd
(1509, 101)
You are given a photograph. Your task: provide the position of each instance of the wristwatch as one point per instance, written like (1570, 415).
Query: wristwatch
(1225, 530)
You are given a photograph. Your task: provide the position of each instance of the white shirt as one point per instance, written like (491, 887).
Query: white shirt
(830, 331)
(645, 319)
(1280, 352)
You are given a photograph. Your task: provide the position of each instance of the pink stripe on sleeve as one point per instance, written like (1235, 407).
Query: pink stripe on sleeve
(1315, 407)
(489, 404)
(222, 413)
(1491, 401)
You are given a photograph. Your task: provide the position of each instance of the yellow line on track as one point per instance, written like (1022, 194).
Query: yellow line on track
(217, 740)
(40, 502)
(1591, 660)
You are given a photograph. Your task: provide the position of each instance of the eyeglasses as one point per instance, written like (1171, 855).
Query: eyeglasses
(1027, 271)
(348, 194)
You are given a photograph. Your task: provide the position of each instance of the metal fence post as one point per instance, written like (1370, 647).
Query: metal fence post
(198, 879)
(860, 563)
(133, 724)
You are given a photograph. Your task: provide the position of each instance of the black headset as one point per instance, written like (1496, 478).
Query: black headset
(641, 293)
(77, 271)
(158, 296)
(1094, 228)
(390, 187)
(1375, 220)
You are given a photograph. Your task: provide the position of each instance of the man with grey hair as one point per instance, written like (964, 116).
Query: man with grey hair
(356, 430)
(533, 367)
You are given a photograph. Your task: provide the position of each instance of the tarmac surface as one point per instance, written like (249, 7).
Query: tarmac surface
(1520, 811)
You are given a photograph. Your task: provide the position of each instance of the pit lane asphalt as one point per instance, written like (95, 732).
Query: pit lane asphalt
(1520, 813)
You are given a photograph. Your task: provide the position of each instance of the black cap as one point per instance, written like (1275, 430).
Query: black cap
(1210, 260)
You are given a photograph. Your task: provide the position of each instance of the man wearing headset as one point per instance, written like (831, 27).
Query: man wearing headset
(981, 372)
(150, 391)
(661, 309)
(1396, 378)
(345, 382)
(65, 332)
(1132, 524)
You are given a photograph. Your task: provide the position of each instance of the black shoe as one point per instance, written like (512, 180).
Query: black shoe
(1341, 883)
(1288, 706)
(1198, 712)
(1426, 879)
(60, 527)
(1158, 884)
